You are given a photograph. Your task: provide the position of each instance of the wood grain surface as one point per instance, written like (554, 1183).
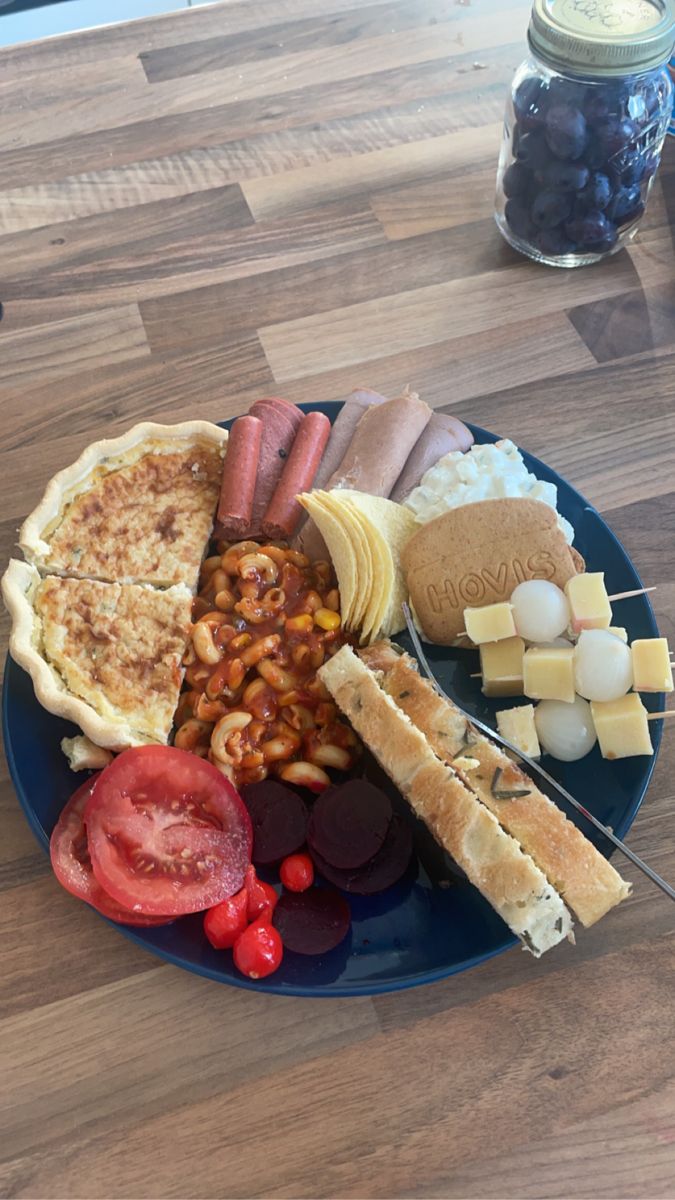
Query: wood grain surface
(295, 196)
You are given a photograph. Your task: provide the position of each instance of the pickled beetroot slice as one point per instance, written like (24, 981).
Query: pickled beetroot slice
(312, 922)
(383, 870)
(349, 824)
(279, 819)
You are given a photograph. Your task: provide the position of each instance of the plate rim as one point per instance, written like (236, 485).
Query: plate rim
(355, 989)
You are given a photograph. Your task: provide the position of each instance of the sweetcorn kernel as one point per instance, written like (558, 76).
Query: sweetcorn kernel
(326, 619)
(303, 623)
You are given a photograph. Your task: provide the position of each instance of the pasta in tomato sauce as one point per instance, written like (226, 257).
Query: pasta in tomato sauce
(265, 620)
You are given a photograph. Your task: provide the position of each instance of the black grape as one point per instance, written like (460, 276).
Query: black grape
(565, 131)
(615, 134)
(565, 177)
(597, 193)
(516, 181)
(554, 241)
(550, 208)
(627, 204)
(518, 218)
(629, 166)
(533, 151)
(589, 228)
(529, 103)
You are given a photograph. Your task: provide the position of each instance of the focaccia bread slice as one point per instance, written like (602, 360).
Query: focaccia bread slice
(134, 509)
(494, 862)
(106, 656)
(588, 883)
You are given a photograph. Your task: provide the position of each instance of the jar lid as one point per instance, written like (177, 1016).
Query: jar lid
(604, 37)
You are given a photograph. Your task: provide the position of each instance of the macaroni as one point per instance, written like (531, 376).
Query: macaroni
(265, 620)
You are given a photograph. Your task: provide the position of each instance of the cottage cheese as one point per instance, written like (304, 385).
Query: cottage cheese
(485, 472)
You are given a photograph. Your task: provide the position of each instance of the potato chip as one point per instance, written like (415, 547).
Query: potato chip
(395, 525)
(354, 527)
(365, 536)
(340, 546)
(380, 571)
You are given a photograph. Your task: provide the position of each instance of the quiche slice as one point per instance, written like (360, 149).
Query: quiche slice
(107, 656)
(134, 509)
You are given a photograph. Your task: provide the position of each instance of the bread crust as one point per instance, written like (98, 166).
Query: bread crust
(588, 882)
(494, 862)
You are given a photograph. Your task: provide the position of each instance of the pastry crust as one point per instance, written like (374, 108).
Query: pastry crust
(60, 619)
(90, 525)
(83, 755)
(494, 862)
(583, 876)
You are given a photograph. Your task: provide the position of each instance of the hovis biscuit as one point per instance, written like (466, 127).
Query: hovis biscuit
(477, 555)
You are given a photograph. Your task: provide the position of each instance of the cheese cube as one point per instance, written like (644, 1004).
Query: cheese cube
(652, 671)
(548, 673)
(501, 665)
(619, 632)
(622, 727)
(517, 726)
(588, 600)
(493, 623)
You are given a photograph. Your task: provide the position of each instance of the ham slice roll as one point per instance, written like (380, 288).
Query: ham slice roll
(374, 458)
(343, 431)
(382, 441)
(442, 435)
(307, 537)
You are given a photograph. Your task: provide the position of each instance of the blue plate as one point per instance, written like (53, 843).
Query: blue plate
(418, 931)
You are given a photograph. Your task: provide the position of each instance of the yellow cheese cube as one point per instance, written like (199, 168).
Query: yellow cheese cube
(493, 623)
(588, 600)
(517, 726)
(501, 665)
(652, 671)
(619, 632)
(622, 727)
(548, 673)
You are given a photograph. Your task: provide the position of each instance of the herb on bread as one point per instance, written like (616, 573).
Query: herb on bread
(502, 793)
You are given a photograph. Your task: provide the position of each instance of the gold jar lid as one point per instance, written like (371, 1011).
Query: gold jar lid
(603, 37)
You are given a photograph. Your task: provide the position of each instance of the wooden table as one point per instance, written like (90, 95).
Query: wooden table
(295, 196)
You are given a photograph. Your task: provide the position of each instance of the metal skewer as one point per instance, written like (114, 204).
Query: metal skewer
(534, 766)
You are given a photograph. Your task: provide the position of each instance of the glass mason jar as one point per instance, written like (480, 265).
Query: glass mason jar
(585, 122)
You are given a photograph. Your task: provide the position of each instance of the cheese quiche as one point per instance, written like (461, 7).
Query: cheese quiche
(107, 656)
(102, 608)
(134, 509)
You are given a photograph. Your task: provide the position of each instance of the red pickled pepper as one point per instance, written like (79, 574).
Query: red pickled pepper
(260, 895)
(259, 950)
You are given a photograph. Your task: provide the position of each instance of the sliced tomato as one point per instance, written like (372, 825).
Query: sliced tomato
(69, 853)
(167, 832)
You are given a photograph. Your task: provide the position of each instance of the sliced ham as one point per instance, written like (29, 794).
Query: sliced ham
(343, 430)
(442, 435)
(307, 537)
(382, 441)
